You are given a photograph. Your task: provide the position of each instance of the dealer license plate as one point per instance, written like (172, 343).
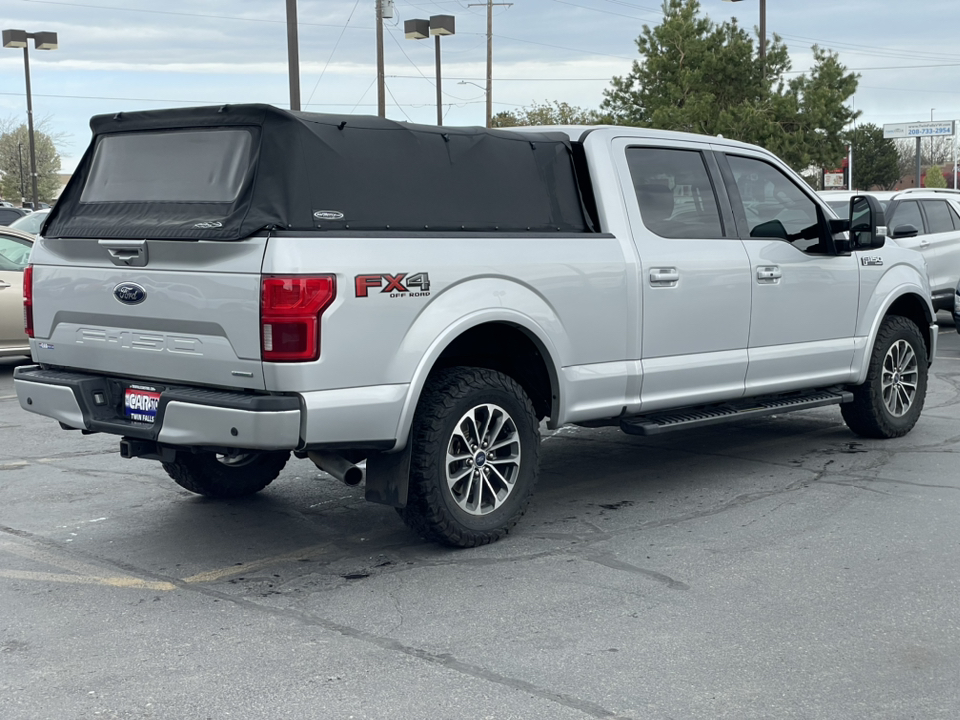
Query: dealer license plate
(140, 403)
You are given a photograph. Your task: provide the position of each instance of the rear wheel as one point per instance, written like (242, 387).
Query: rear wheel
(889, 402)
(226, 476)
(475, 461)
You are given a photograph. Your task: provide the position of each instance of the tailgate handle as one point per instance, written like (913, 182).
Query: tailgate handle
(4, 285)
(126, 253)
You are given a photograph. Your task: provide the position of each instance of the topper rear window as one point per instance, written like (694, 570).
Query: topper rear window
(193, 166)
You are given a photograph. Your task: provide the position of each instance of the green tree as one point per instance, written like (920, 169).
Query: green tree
(701, 77)
(935, 178)
(549, 113)
(876, 161)
(15, 162)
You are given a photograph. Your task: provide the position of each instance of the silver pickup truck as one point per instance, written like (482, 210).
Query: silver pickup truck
(403, 305)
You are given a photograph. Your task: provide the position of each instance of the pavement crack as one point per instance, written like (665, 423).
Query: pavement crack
(614, 564)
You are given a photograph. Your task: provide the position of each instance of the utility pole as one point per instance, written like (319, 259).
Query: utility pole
(489, 4)
(20, 158)
(381, 87)
(293, 55)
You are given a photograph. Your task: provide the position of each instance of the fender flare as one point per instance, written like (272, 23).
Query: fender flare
(455, 329)
(861, 358)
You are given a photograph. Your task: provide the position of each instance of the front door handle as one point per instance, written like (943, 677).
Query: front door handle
(665, 276)
(768, 274)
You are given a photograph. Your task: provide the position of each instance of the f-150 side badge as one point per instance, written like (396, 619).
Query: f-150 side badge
(871, 260)
(394, 285)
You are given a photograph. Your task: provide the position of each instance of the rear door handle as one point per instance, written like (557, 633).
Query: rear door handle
(768, 274)
(667, 276)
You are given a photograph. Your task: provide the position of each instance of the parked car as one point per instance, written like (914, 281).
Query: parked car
(839, 200)
(235, 284)
(923, 219)
(30, 223)
(10, 214)
(15, 247)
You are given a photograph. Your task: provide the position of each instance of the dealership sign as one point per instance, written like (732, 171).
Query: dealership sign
(919, 129)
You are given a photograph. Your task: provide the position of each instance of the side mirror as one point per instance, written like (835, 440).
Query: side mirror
(867, 223)
(905, 231)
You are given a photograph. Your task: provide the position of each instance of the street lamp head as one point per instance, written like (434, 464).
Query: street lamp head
(45, 40)
(14, 38)
(18, 39)
(416, 29)
(442, 25)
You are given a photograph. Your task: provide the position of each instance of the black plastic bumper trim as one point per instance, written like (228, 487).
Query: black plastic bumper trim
(109, 417)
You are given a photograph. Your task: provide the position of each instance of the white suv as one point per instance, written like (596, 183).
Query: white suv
(922, 219)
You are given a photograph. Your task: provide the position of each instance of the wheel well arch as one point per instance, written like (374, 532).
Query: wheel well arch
(512, 350)
(915, 310)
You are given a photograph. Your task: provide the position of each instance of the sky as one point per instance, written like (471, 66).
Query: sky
(124, 55)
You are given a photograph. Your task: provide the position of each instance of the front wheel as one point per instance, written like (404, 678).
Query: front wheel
(475, 461)
(889, 402)
(226, 476)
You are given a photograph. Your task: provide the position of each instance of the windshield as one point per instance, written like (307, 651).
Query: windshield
(194, 166)
(842, 207)
(30, 223)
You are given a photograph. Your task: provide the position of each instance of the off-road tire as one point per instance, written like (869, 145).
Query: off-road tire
(870, 414)
(215, 476)
(442, 511)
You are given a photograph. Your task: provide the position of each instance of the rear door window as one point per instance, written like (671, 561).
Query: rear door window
(674, 192)
(938, 216)
(186, 166)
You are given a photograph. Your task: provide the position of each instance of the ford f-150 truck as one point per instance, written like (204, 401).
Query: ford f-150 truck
(404, 305)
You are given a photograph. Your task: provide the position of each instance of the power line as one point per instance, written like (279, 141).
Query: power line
(114, 8)
(335, 46)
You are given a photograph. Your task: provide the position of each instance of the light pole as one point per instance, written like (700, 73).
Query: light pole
(437, 25)
(41, 41)
(763, 35)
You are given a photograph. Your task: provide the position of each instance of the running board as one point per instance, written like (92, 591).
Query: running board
(701, 415)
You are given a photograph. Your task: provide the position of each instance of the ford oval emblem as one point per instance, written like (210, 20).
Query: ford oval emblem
(328, 215)
(129, 293)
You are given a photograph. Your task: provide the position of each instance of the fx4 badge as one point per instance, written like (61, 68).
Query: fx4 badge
(395, 285)
(871, 260)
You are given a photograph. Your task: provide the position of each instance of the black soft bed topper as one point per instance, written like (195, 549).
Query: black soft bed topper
(224, 173)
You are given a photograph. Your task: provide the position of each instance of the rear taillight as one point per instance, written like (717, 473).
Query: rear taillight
(28, 300)
(290, 310)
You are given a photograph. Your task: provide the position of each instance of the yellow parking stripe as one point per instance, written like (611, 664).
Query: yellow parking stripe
(88, 574)
(120, 582)
(213, 575)
(85, 573)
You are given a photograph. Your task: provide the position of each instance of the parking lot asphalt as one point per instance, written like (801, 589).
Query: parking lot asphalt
(776, 568)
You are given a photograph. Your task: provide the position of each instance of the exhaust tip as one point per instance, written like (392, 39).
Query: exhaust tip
(353, 476)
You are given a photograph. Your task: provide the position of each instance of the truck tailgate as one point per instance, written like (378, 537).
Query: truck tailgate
(175, 310)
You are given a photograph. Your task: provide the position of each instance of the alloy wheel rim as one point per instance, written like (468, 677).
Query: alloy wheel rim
(899, 378)
(238, 460)
(483, 459)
